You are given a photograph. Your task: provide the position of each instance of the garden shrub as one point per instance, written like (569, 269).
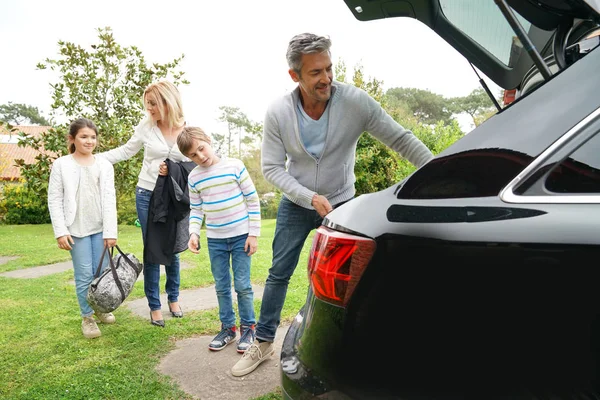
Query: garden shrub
(126, 211)
(21, 205)
(269, 202)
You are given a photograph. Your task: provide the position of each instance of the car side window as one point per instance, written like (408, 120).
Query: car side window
(579, 172)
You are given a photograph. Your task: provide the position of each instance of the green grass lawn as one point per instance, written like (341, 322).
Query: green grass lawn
(43, 354)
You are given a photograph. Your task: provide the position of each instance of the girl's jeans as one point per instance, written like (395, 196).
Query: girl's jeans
(86, 253)
(152, 271)
(221, 251)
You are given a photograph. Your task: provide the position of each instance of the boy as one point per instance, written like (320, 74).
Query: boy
(223, 196)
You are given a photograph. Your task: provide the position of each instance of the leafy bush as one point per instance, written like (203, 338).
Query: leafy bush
(21, 205)
(126, 211)
(269, 202)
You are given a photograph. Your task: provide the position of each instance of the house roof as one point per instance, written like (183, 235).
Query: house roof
(9, 150)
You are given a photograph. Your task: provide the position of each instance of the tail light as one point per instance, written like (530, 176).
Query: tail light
(336, 264)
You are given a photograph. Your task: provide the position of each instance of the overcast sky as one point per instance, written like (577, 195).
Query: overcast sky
(234, 50)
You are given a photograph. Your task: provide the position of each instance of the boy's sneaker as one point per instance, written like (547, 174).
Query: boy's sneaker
(247, 336)
(89, 328)
(223, 338)
(256, 354)
(106, 318)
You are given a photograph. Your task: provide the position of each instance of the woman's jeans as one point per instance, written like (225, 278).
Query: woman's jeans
(152, 271)
(221, 251)
(294, 223)
(86, 253)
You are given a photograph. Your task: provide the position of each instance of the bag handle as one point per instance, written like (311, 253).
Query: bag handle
(99, 269)
(131, 263)
(112, 268)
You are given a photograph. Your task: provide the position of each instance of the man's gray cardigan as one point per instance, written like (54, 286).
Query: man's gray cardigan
(351, 112)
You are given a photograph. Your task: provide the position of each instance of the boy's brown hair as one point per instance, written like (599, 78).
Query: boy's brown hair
(186, 138)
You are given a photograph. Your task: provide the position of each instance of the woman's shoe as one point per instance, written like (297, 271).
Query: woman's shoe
(176, 314)
(157, 322)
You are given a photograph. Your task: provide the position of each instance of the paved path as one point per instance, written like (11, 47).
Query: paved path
(202, 373)
(36, 272)
(206, 374)
(190, 299)
(5, 259)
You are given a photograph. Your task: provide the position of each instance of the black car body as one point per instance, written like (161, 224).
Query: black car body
(478, 275)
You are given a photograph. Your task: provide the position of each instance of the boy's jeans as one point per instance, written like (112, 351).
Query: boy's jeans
(152, 271)
(86, 253)
(221, 251)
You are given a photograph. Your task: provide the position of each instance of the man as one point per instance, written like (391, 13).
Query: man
(315, 128)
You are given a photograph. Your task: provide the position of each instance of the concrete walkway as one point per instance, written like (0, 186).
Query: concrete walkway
(190, 299)
(202, 373)
(37, 272)
(206, 374)
(5, 259)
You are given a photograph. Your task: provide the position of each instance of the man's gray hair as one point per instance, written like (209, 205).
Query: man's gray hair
(305, 43)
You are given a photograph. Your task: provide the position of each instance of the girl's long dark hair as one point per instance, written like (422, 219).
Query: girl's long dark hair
(76, 126)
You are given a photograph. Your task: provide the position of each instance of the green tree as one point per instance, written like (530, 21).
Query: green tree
(218, 142)
(377, 166)
(426, 106)
(252, 162)
(237, 122)
(105, 84)
(477, 104)
(22, 114)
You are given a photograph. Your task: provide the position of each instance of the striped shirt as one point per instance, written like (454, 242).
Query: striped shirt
(224, 197)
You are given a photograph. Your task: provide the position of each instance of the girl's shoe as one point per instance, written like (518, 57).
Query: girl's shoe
(176, 314)
(106, 318)
(90, 328)
(157, 322)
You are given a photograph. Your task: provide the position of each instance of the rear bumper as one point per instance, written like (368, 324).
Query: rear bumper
(297, 382)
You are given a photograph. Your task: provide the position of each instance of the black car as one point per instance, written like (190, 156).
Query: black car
(478, 275)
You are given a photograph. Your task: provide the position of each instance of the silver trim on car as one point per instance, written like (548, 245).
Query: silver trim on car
(508, 195)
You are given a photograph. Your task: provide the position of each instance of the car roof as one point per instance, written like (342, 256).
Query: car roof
(478, 30)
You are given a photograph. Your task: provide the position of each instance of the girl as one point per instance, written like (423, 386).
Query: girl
(82, 204)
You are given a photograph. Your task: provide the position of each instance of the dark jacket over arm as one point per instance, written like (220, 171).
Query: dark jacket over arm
(168, 214)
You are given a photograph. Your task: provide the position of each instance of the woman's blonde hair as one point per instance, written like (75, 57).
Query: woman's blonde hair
(186, 138)
(168, 102)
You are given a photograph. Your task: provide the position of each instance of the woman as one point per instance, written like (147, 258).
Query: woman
(157, 134)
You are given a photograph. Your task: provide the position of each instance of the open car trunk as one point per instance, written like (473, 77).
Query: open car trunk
(480, 31)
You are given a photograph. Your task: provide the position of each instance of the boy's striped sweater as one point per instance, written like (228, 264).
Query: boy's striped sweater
(225, 196)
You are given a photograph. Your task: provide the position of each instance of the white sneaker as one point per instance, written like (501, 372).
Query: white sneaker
(89, 328)
(106, 318)
(256, 354)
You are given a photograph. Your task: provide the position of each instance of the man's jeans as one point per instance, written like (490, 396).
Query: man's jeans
(152, 271)
(294, 223)
(221, 251)
(86, 253)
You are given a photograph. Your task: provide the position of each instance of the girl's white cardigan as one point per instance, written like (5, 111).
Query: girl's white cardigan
(62, 196)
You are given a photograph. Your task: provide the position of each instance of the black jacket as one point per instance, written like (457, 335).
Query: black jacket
(168, 214)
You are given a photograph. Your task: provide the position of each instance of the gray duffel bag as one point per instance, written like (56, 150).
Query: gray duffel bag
(112, 285)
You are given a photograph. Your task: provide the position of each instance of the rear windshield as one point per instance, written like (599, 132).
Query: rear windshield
(483, 22)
